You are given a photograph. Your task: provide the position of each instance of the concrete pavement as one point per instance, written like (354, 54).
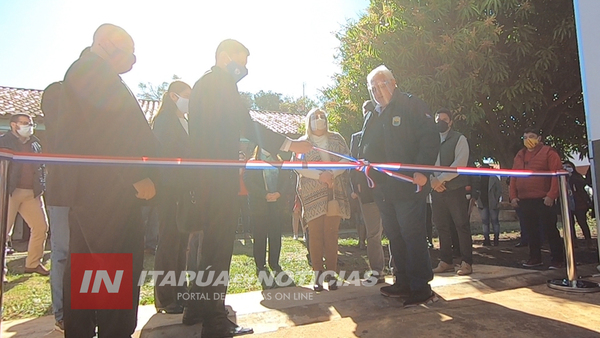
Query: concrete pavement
(493, 301)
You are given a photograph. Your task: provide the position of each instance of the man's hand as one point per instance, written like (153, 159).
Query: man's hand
(435, 183)
(441, 187)
(548, 201)
(300, 147)
(419, 179)
(354, 195)
(327, 178)
(145, 189)
(514, 202)
(273, 196)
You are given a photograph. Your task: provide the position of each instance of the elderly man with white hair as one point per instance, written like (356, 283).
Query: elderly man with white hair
(401, 130)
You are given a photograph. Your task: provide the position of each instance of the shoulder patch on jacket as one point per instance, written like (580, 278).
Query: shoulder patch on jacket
(396, 120)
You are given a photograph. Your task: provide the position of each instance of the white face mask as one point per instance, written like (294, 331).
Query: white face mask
(182, 104)
(25, 131)
(318, 124)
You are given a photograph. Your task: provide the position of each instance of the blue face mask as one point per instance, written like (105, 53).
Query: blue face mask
(236, 70)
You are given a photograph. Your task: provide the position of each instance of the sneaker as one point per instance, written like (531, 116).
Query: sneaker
(295, 237)
(395, 291)
(532, 263)
(464, 269)
(556, 266)
(443, 267)
(419, 298)
(60, 326)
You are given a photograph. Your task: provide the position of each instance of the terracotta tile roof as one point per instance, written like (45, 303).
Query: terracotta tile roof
(18, 100)
(280, 122)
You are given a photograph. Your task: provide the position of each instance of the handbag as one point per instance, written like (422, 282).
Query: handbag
(333, 206)
(188, 214)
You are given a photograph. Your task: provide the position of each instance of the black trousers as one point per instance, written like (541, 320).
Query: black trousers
(536, 213)
(114, 227)
(219, 224)
(170, 253)
(581, 215)
(448, 208)
(267, 227)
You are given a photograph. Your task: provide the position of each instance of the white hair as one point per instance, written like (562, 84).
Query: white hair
(380, 70)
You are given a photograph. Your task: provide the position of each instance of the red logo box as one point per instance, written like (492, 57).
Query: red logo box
(102, 281)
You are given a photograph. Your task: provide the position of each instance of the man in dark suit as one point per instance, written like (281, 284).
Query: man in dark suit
(103, 118)
(369, 210)
(401, 130)
(218, 118)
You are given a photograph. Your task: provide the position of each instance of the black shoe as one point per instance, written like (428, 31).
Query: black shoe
(192, 316)
(421, 297)
(282, 279)
(333, 284)
(496, 242)
(486, 242)
(318, 286)
(221, 327)
(171, 309)
(395, 291)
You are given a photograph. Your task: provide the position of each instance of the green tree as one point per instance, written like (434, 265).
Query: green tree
(500, 65)
(154, 92)
(266, 100)
(247, 98)
(300, 105)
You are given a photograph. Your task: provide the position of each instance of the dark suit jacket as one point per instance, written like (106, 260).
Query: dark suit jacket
(217, 120)
(59, 182)
(172, 143)
(255, 183)
(409, 136)
(103, 118)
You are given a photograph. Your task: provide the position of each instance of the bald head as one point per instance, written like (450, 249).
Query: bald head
(115, 45)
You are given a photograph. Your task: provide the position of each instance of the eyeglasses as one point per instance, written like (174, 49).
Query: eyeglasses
(31, 124)
(379, 85)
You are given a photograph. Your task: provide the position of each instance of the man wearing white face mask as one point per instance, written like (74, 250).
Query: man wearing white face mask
(26, 184)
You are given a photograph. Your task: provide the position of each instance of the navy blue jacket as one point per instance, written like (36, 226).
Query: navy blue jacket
(409, 137)
(10, 141)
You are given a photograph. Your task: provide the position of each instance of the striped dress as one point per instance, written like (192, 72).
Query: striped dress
(313, 194)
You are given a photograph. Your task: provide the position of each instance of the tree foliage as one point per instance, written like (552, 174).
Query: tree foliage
(499, 65)
(276, 102)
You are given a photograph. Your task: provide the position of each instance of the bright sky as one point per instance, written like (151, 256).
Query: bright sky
(290, 43)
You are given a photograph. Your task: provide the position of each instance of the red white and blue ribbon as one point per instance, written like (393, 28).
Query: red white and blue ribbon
(390, 169)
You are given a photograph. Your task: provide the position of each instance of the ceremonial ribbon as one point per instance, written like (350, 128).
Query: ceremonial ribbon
(364, 166)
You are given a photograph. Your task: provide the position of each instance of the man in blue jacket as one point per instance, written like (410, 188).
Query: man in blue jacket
(26, 184)
(401, 130)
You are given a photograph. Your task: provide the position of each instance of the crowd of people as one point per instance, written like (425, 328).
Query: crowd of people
(97, 210)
